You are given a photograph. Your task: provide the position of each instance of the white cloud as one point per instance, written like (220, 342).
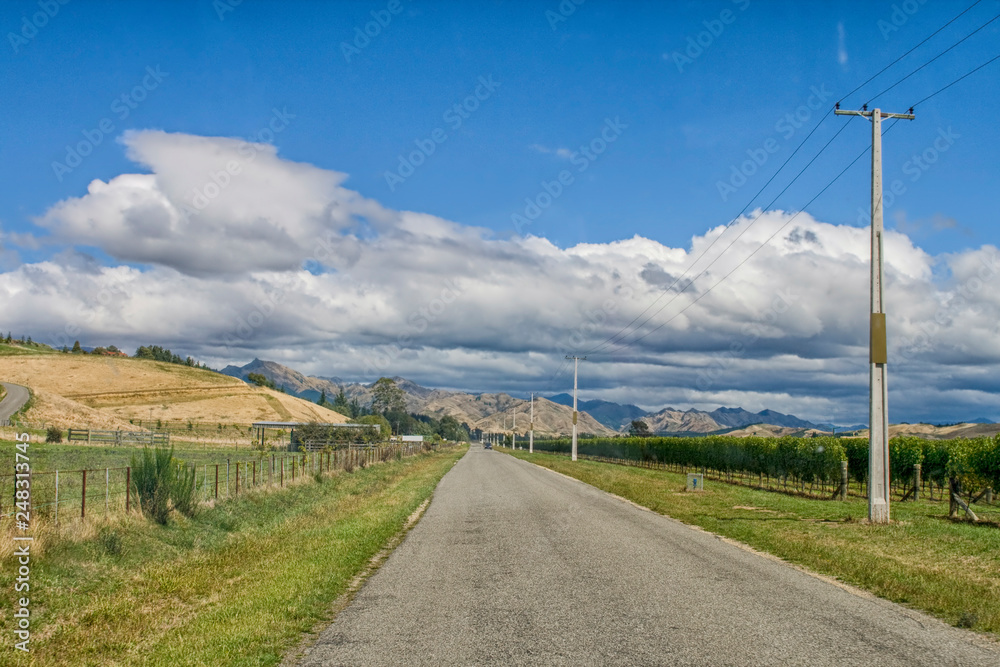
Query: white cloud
(450, 305)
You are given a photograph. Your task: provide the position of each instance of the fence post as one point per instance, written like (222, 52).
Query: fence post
(57, 497)
(216, 481)
(227, 478)
(282, 471)
(843, 480)
(916, 481)
(237, 478)
(254, 473)
(83, 497)
(107, 484)
(128, 488)
(989, 495)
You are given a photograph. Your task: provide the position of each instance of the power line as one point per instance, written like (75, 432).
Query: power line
(873, 76)
(737, 238)
(617, 337)
(933, 59)
(760, 247)
(996, 57)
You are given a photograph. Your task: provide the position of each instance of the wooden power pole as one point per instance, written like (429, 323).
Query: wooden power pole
(878, 392)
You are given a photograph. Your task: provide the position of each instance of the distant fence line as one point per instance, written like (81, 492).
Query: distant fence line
(118, 437)
(79, 492)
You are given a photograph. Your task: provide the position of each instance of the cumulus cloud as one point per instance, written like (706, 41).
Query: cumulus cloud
(290, 265)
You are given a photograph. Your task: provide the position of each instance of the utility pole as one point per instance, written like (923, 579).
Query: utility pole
(878, 391)
(576, 369)
(531, 427)
(513, 431)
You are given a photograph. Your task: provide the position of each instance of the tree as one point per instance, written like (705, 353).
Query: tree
(76, 346)
(260, 380)
(639, 428)
(382, 422)
(387, 397)
(322, 398)
(341, 405)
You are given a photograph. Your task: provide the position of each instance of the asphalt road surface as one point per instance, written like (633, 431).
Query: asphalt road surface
(516, 565)
(12, 402)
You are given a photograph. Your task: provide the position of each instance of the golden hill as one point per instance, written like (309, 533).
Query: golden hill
(106, 392)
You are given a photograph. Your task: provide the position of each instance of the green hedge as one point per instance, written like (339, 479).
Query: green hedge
(974, 462)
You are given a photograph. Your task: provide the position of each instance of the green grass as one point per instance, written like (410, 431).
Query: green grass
(237, 585)
(17, 349)
(950, 569)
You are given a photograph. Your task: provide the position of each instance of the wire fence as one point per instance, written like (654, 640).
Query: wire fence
(62, 495)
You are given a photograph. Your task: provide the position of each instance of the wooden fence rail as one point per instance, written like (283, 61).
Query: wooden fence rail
(118, 437)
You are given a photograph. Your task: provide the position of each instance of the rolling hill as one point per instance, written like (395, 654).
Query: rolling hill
(106, 392)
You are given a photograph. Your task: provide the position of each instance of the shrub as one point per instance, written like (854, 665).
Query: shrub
(53, 434)
(152, 478)
(183, 489)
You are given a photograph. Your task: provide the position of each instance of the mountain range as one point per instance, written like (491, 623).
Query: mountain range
(552, 415)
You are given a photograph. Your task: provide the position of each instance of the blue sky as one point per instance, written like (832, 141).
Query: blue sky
(673, 118)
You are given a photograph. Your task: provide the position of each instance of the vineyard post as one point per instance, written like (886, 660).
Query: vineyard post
(916, 481)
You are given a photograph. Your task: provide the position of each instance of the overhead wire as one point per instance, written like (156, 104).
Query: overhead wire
(762, 245)
(941, 90)
(933, 59)
(921, 43)
(618, 336)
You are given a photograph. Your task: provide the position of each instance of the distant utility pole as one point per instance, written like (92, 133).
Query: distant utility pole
(576, 370)
(878, 392)
(531, 427)
(513, 430)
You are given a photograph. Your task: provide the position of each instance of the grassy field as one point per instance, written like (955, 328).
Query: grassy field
(237, 585)
(950, 569)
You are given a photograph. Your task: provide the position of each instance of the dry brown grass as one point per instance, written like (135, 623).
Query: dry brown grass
(106, 392)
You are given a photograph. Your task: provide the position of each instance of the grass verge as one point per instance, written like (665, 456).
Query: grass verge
(922, 560)
(236, 585)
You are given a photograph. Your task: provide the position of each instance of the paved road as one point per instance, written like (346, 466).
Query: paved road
(12, 402)
(514, 565)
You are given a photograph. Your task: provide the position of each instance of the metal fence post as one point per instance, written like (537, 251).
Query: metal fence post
(57, 497)
(216, 481)
(128, 488)
(237, 478)
(83, 497)
(107, 484)
(227, 478)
